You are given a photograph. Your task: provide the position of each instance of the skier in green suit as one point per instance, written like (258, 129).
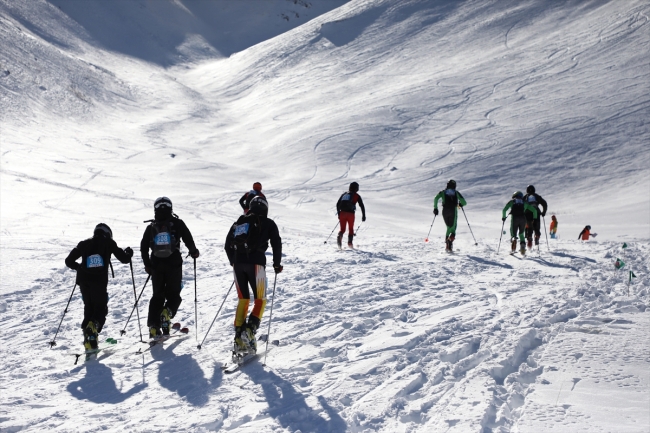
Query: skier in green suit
(518, 221)
(451, 201)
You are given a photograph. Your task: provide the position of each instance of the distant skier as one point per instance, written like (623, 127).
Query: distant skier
(92, 278)
(245, 200)
(586, 233)
(553, 228)
(533, 224)
(517, 208)
(165, 265)
(246, 244)
(451, 201)
(345, 208)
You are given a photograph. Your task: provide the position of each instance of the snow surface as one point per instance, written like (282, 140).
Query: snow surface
(105, 106)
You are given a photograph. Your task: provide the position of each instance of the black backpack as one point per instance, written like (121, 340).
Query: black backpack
(163, 238)
(247, 234)
(451, 199)
(347, 204)
(517, 207)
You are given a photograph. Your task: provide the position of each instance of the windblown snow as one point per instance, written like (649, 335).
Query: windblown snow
(105, 106)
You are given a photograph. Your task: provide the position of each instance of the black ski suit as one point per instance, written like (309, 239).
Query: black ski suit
(249, 269)
(166, 272)
(533, 222)
(92, 275)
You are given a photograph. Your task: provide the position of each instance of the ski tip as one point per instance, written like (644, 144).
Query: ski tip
(184, 331)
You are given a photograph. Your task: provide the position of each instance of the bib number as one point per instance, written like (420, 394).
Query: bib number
(241, 229)
(162, 239)
(95, 261)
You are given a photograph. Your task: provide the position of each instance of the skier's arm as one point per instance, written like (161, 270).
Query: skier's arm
(532, 209)
(581, 233)
(461, 199)
(71, 260)
(227, 246)
(187, 238)
(543, 203)
(144, 248)
(363, 208)
(505, 209)
(242, 201)
(119, 253)
(276, 243)
(437, 197)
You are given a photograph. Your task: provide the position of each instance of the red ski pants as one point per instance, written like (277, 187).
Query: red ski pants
(347, 218)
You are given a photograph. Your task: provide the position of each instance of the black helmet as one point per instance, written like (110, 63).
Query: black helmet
(162, 202)
(354, 187)
(530, 189)
(588, 227)
(103, 230)
(259, 206)
(451, 184)
(518, 194)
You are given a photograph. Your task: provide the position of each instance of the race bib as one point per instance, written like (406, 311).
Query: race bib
(94, 261)
(346, 197)
(450, 192)
(241, 229)
(518, 201)
(531, 199)
(162, 238)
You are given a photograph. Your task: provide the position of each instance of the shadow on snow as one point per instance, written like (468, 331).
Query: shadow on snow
(98, 386)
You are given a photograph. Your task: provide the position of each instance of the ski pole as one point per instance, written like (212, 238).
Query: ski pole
(215, 316)
(123, 331)
(357, 229)
(196, 310)
(500, 237)
(470, 227)
(547, 245)
(434, 220)
(268, 332)
(328, 238)
(53, 342)
(135, 296)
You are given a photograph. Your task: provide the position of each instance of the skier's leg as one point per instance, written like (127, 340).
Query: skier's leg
(173, 281)
(88, 306)
(259, 293)
(157, 299)
(100, 304)
(241, 282)
(537, 228)
(350, 228)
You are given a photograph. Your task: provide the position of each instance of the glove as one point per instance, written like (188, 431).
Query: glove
(363, 218)
(148, 270)
(543, 213)
(460, 205)
(503, 219)
(278, 268)
(195, 254)
(128, 251)
(435, 211)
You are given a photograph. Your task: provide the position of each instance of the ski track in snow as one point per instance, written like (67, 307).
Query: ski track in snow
(394, 336)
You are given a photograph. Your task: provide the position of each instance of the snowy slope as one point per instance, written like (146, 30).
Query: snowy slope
(106, 106)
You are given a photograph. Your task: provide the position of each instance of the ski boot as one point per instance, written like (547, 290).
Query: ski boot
(339, 239)
(90, 336)
(239, 346)
(451, 238)
(522, 248)
(165, 320)
(154, 332)
(530, 243)
(513, 246)
(248, 337)
(537, 240)
(350, 238)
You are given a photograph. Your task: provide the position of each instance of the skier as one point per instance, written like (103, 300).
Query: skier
(345, 208)
(533, 223)
(92, 278)
(451, 201)
(585, 233)
(165, 265)
(245, 200)
(518, 221)
(553, 228)
(246, 244)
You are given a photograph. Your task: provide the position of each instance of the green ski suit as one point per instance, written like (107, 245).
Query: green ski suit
(451, 199)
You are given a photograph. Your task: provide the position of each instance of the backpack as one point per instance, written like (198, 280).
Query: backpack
(247, 234)
(451, 199)
(163, 239)
(347, 202)
(517, 207)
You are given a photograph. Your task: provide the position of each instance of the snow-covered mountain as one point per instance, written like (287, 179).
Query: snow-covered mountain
(105, 106)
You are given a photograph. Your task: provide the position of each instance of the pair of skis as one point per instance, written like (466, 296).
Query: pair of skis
(107, 344)
(238, 360)
(177, 331)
